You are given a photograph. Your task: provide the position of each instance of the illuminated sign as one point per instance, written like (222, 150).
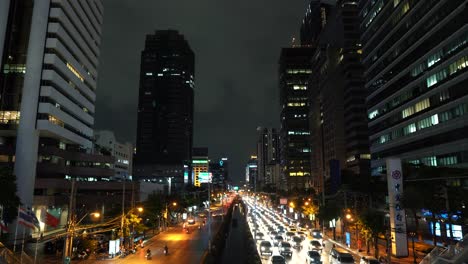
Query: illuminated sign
(236, 188)
(224, 159)
(200, 161)
(252, 166)
(204, 177)
(221, 162)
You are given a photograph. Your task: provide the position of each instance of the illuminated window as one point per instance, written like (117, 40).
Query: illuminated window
(74, 71)
(373, 114)
(411, 128)
(149, 74)
(56, 121)
(14, 68)
(449, 160)
(305, 150)
(429, 161)
(458, 65)
(299, 87)
(407, 112)
(9, 117)
(160, 74)
(365, 156)
(434, 58)
(421, 105)
(297, 104)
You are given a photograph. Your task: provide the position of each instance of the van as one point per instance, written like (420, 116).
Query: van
(340, 256)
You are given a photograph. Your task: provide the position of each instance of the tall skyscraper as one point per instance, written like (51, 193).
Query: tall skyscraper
(200, 166)
(165, 105)
(416, 62)
(267, 154)
(49, 61)
(251, 172)
(294, 72)
(314, 21)
(337, 96)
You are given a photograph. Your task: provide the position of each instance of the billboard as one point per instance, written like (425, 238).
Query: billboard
(204, 177)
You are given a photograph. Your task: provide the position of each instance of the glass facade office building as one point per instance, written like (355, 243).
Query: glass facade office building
(416, 57)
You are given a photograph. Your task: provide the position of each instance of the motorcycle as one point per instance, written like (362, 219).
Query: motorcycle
(166, 250)
(148, 255)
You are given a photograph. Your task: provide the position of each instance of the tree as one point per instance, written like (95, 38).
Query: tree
(8, 198)
(372, 225)
(413, 200)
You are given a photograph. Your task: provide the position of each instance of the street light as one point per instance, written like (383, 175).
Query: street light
(70, 233)
(413, 235)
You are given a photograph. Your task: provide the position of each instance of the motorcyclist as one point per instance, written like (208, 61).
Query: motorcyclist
(166, 250)
(148, 254)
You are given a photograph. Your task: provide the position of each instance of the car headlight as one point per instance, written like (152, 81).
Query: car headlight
(262, 248)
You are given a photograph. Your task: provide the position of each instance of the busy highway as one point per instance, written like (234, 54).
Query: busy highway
(280, 239)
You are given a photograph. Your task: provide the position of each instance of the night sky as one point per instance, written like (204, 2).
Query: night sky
(237, 46)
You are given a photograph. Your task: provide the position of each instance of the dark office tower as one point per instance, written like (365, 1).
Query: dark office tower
(267, 154)
(165, 105)
(219, 172)
(294, 72)
(338, 111)
(416, 60)
(314, 21)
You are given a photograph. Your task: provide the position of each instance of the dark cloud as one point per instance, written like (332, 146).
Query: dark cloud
(237, 46)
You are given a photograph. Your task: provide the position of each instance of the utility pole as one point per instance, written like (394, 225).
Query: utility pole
(70, 223)
(123, 212)
(209, 215)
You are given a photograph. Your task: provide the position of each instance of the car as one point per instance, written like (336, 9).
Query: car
(284, 249)
(316, 234)
(289, 235)
(296, 242)
(266, 248)
(315, 245)
(340, 256)
(313, 257)
(273, 234)
(191, 221)
(277, 259)
(301, 235)
(293, 229)
(369, 260)
(278, 239)
(259, 236)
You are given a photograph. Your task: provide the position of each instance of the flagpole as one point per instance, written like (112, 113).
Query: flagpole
(35, 250)
(22, 245)
(16, 230)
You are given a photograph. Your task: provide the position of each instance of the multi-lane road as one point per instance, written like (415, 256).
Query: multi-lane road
(262, 219)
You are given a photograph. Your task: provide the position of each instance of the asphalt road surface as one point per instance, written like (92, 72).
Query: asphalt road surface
(235, 249)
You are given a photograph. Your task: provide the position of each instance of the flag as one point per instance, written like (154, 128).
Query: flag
(27, 218)
(49, 219)
(3, 227)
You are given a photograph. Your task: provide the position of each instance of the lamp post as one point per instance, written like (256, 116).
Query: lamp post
(68, 250)
(413, 235)
(140, 210)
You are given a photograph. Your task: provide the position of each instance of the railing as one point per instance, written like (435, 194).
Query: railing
(454, 254)
(9, 257)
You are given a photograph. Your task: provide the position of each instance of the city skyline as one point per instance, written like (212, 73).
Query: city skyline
(226, 106)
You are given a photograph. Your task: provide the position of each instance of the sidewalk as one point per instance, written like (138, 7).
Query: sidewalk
(419, 246)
